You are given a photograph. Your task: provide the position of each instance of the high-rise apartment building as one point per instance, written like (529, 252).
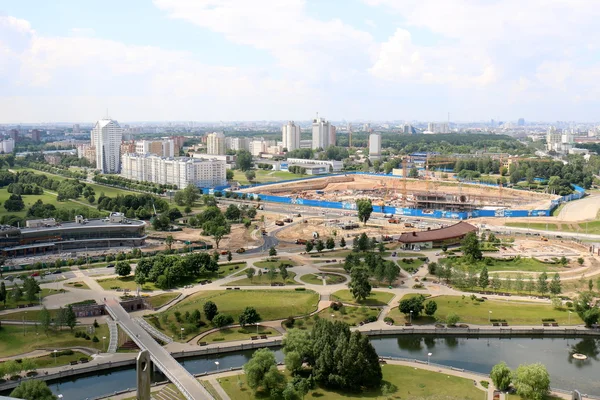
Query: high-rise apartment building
(215, 143)
(332, 135)
(14, 134)
(7, 145)
(290, 134)
(321, 132)
(106, 137)
(374, 146)
(162, 148)
(180, 171)
(441, 127)
(35, 135)
(521, 122)
(237, 143)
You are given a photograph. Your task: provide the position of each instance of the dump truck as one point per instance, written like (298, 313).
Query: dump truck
(301, 241)
(394, 221)
(279, 223)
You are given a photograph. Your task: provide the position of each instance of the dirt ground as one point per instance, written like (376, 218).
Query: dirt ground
(239, 237)
(380, 188)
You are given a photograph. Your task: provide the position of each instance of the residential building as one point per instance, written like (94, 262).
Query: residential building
(162, 148)
(52, 159)
(306, 144)
(259, 146)
(14, 134)
(237, 143)
(180, 171)
(374, 146)
(290, 134)
(321, 133)
(179, 140)
(76, 128)
(87, 151)
(35, 135)
(127, 147)
(521, 122)
(335, 166)
(106, 137)
(7, 145)
(215, 143)
(554, 139)
(332, 136)
(441, 127)
(407, 129)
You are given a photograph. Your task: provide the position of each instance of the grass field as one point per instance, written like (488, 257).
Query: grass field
(10, 303)
(316, 279)
(410, 264)
(29, 199)
(523, 264)
(13, 342)
(517, 397)
(592, 227)
(270, 304)
(348, 314)
(412, 384)
(515, 313)
(401, 319)
(275, 263)
(262, 280)
(231, 334)
(77, 285)
(126, 282)
(31, 315)
(50, 361)
(161, 299)
(375, 299)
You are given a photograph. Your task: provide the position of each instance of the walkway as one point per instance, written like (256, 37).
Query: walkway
(177, 374)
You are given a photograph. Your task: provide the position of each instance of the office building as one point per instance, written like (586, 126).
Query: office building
(180, 171)
(106, 137)
(374, 146)
(215, 143)
(7, 145)
(290, 134)
(321, 133)
(162, 148)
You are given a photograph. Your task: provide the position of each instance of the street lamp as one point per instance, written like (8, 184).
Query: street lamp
(490, 316)
(410, 320)
(24, 315)
(256, 327)
(217, 364)
(570, 317)
(428, 356)
(181, 334)
(55, 351)
(103, 346)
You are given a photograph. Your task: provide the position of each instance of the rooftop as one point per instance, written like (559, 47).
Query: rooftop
(449, 232)
(90, 223)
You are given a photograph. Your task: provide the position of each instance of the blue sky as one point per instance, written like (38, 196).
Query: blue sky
(210, 60)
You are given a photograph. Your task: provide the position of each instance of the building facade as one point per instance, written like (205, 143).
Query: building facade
(333, 166)
(7, 145)
(321, 131)
(161, 148)
(106, 137)
(374, 146)
(290, 136)
(181, 171)
(237, 143)
(215, 143)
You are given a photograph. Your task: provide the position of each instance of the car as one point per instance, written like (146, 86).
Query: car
(110, 266)
(559, 237)
(240, 250)
(10, 278)
(35, 274)
(58, 271)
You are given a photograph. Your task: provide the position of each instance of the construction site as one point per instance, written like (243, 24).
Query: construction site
(423, 194)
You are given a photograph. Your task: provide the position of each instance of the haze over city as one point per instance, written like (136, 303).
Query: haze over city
(277, 60)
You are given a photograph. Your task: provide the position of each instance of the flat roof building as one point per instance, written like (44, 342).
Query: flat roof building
(436, 237)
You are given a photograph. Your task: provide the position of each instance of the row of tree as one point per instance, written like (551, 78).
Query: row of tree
(170, 271)
(119, 181)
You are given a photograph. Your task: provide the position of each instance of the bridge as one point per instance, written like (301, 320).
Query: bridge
(179, 376)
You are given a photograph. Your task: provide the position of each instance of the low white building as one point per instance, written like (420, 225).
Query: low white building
(7, 145)
(335, 166)
(182, 171)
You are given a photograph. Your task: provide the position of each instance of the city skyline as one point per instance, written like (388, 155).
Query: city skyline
(172, 60)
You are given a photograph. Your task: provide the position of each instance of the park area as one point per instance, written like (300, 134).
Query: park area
(376, 298)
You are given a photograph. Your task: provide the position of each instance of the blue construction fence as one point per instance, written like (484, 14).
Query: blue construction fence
(403, 211)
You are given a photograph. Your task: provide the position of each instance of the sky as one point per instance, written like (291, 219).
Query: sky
(234, 60)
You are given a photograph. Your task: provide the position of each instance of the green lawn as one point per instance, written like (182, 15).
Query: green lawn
(348, 314)
(161, 299)
(50, 361)
(29, 199)
(375, 299)
(231, 334)
(77, 285)
(127, 282)
(592, 227)
(515, 313)
(262, 280)
(270, 304)
(401, 319)
(410, 264)
(524, 264)
(10, 303)
(275, 263)
(316, 279)
(13, 342)
(517, 397)
(412, 384)
(31, 315)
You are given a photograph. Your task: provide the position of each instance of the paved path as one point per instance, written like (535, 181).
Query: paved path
(177, 374)
(219, 389)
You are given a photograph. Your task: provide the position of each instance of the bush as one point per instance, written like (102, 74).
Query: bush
(371, 318)
(388, 320)
(569, 304)
(452, 319)
(300, 289)
(95, 339)
(289, 322)
(335, 305)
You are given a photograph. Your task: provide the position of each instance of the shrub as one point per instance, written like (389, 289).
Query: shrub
(335, 305)
(95, 339)
(371, 318)
(289, 322)
(388, 320)
(569, 304)
(300, 289)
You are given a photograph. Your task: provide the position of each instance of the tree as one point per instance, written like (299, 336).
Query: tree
(470, 247)
(16, 293)
(501, 376)
(519, 284)
(272, 252)
(532, 381)
(580, 261)
(309, 246)
(33, 389)
(283, 272)
(363, 242)
(564, 261)
(45, 319)
(359, 283)
(249, 316)
(122, 268)
(452, 319)
(413, 306)
(530, 285)
(229, 174)
(330, 244)
(257, 369)
(342, 242)
(413, 173)
(216, 231)
(14, 203)
(271, 274)
(233, 213)
(542, 284)
(250, 273)
(229, 255)
(484, 279)
(293, 362)
(496, 283)
(590, 285)
(555, 285)
(320, 245)
(70, 317)
(391, 272)
(250, 175)
(168, 242)
(365, 208)
(210, 310)
(3, 294)
(430, 308)
(222, 320)
(243, 160)
(584, 307)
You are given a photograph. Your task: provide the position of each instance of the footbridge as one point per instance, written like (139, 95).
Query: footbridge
(179, 376)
